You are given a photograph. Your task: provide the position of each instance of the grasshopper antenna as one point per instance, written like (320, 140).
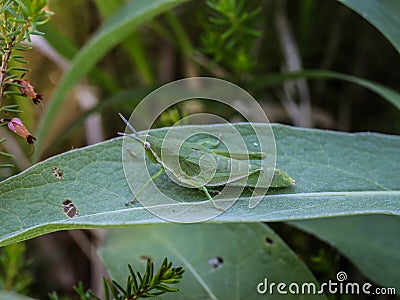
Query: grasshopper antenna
(129, 126)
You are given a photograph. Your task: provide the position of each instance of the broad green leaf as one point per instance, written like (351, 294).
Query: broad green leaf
(337, 174)
(6, 295)
(371, 242)
(116, 29)
(245, 255)
(388, 94)
(383, 14)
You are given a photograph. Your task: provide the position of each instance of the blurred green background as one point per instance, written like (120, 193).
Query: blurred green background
(247, 45)
(250, 43)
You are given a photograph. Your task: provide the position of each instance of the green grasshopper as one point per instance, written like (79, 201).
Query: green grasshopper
(236, 169)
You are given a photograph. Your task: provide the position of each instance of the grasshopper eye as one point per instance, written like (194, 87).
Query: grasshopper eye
(146, 145)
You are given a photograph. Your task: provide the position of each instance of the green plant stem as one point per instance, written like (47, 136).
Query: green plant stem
(134, 47)
(4, 67)
(182, 38)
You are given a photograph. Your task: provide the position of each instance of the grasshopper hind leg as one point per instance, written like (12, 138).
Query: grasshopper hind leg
(153, 178)
(204, 189)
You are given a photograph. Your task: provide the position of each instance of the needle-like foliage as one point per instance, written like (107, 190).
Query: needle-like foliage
(149, 285)
(230, 32)
(18, 20)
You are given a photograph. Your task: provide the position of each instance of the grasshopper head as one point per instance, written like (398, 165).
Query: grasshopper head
(146, 145)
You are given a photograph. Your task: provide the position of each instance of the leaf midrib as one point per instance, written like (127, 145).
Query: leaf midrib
(206, 202)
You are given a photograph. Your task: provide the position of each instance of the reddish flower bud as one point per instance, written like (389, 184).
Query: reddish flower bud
(16, 125)
(29, 91)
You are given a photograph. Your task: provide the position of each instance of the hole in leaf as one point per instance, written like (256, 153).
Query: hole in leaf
(216, 262)
(57, 173)
(269, 241)
(69, 208)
